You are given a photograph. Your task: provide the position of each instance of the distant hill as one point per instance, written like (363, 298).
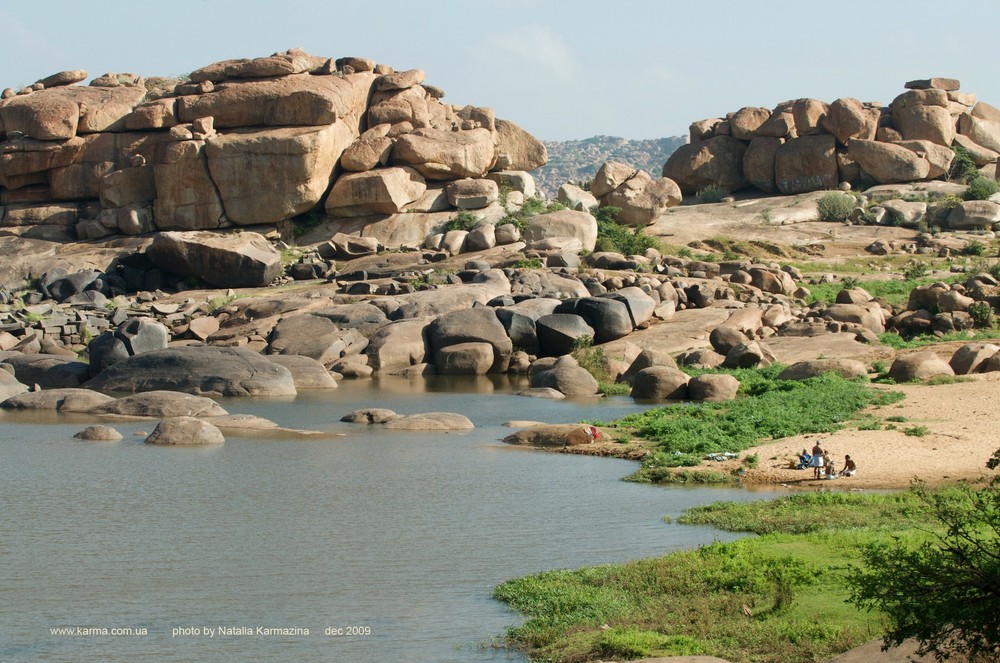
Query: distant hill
(576, 160)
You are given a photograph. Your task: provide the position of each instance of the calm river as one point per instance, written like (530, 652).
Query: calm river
(384, 545)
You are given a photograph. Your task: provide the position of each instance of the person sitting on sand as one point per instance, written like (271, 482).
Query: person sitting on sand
(831, 471)
(850, 469)
(804, 459)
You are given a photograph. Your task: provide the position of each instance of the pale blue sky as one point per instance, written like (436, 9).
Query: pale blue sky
(561, 69)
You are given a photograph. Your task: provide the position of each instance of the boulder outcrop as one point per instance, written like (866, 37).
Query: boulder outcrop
(807, 145)
(245, 142)
(199, 370)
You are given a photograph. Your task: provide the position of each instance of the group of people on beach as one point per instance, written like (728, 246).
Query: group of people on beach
(821, 462)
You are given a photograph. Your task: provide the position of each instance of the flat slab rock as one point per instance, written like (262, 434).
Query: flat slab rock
(551, 435)
(246, 424)
(431, 421)
(61, 400)
(199, 370)
(162, 403)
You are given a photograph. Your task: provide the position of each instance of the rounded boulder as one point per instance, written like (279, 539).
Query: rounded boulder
(919, 366)
(660, 383)
(185, 431)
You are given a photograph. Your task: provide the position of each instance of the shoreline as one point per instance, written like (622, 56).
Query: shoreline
(951, 438)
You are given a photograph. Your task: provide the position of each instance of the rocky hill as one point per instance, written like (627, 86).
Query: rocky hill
(249, 143)
(578, 160)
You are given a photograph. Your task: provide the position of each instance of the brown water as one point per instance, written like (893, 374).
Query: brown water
(384, 545)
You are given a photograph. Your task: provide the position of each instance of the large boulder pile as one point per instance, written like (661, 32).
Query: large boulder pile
(251, 142)
(807, 145)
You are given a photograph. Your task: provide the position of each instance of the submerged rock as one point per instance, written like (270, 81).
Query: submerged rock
(431, 421)
(98, 434)
(185, 431)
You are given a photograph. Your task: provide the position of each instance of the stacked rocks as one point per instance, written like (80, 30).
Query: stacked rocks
(808, 145)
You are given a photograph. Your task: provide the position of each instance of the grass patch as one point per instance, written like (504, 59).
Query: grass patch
(897, 342)
(695, 477)
(896, 292)
(768, 408)
(825, 510)
(779, 597)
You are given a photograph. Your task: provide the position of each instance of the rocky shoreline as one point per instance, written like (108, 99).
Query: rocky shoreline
(292, 222)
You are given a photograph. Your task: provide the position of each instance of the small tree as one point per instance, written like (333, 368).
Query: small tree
(944, 591)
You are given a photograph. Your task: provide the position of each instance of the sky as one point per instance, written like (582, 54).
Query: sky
(562, 69)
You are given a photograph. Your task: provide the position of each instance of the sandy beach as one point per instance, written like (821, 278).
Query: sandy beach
(961, 420)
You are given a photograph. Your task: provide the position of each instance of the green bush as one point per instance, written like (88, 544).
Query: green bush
(982, 314)
(835, 206)
(713, 193)
(974, 248)
(618, 238)
(461, 221)
(527, 263)
(963, 168)
(915, 270)
(981, 188)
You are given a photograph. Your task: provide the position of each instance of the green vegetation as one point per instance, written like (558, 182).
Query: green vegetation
(462, 221)
(897, 342)
(503, 191)
(612, 236)
(713, 193)
(768, 408)
(974, 248)
(527, 263)
(963, 168)
(596, 361)
(895, 291)
(982, 315)
(303, 223)
(827, 510)
(780, 597)
(981, 188)
(916, 270)
(288, 257)
(942, 588)
(836, 206)
(531, 207)
(926, 559)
